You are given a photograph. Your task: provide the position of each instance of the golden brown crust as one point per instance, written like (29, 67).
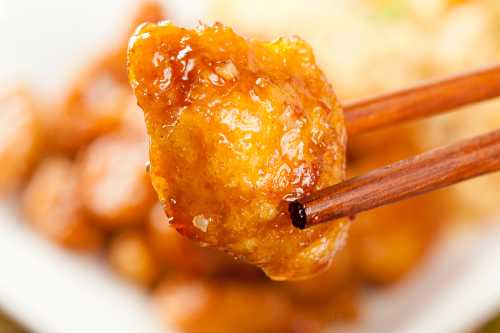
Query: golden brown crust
(181, 255)
(237, 126)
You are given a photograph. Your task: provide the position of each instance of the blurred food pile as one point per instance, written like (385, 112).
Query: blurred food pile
(78, 165)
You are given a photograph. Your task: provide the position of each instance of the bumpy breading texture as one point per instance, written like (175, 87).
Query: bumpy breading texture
(237, 127)
(178, 254)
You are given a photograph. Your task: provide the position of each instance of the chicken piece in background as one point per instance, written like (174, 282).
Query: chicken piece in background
(130, 255)
(53, 207)
(114, 185)
(198, 306)
(389, 242)
(20, 144)
(98, 98)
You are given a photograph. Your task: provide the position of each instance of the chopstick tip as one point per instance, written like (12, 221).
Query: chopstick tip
(297, 214)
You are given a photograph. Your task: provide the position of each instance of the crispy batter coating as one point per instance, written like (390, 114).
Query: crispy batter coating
(131, 256)
(114, 184)
(178, 254)
(236, 127)
(19, 138)
(53, 208)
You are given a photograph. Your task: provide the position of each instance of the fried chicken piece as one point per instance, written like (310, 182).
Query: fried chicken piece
(97, 100)
(53, 208)
(238, 126)
(19, 139)
(131, 256)
(93, 107)
(178, 254)
(114, 184)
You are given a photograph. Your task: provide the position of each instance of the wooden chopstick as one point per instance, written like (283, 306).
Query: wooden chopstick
(420, 174)
(422, 100)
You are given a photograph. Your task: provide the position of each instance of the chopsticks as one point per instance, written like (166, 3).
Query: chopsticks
(429, 171)
(422, 100)
(423, 173)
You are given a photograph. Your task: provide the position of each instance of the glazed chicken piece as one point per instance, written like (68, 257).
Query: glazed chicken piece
(114, 184)
(52, 206)
(237, 128)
